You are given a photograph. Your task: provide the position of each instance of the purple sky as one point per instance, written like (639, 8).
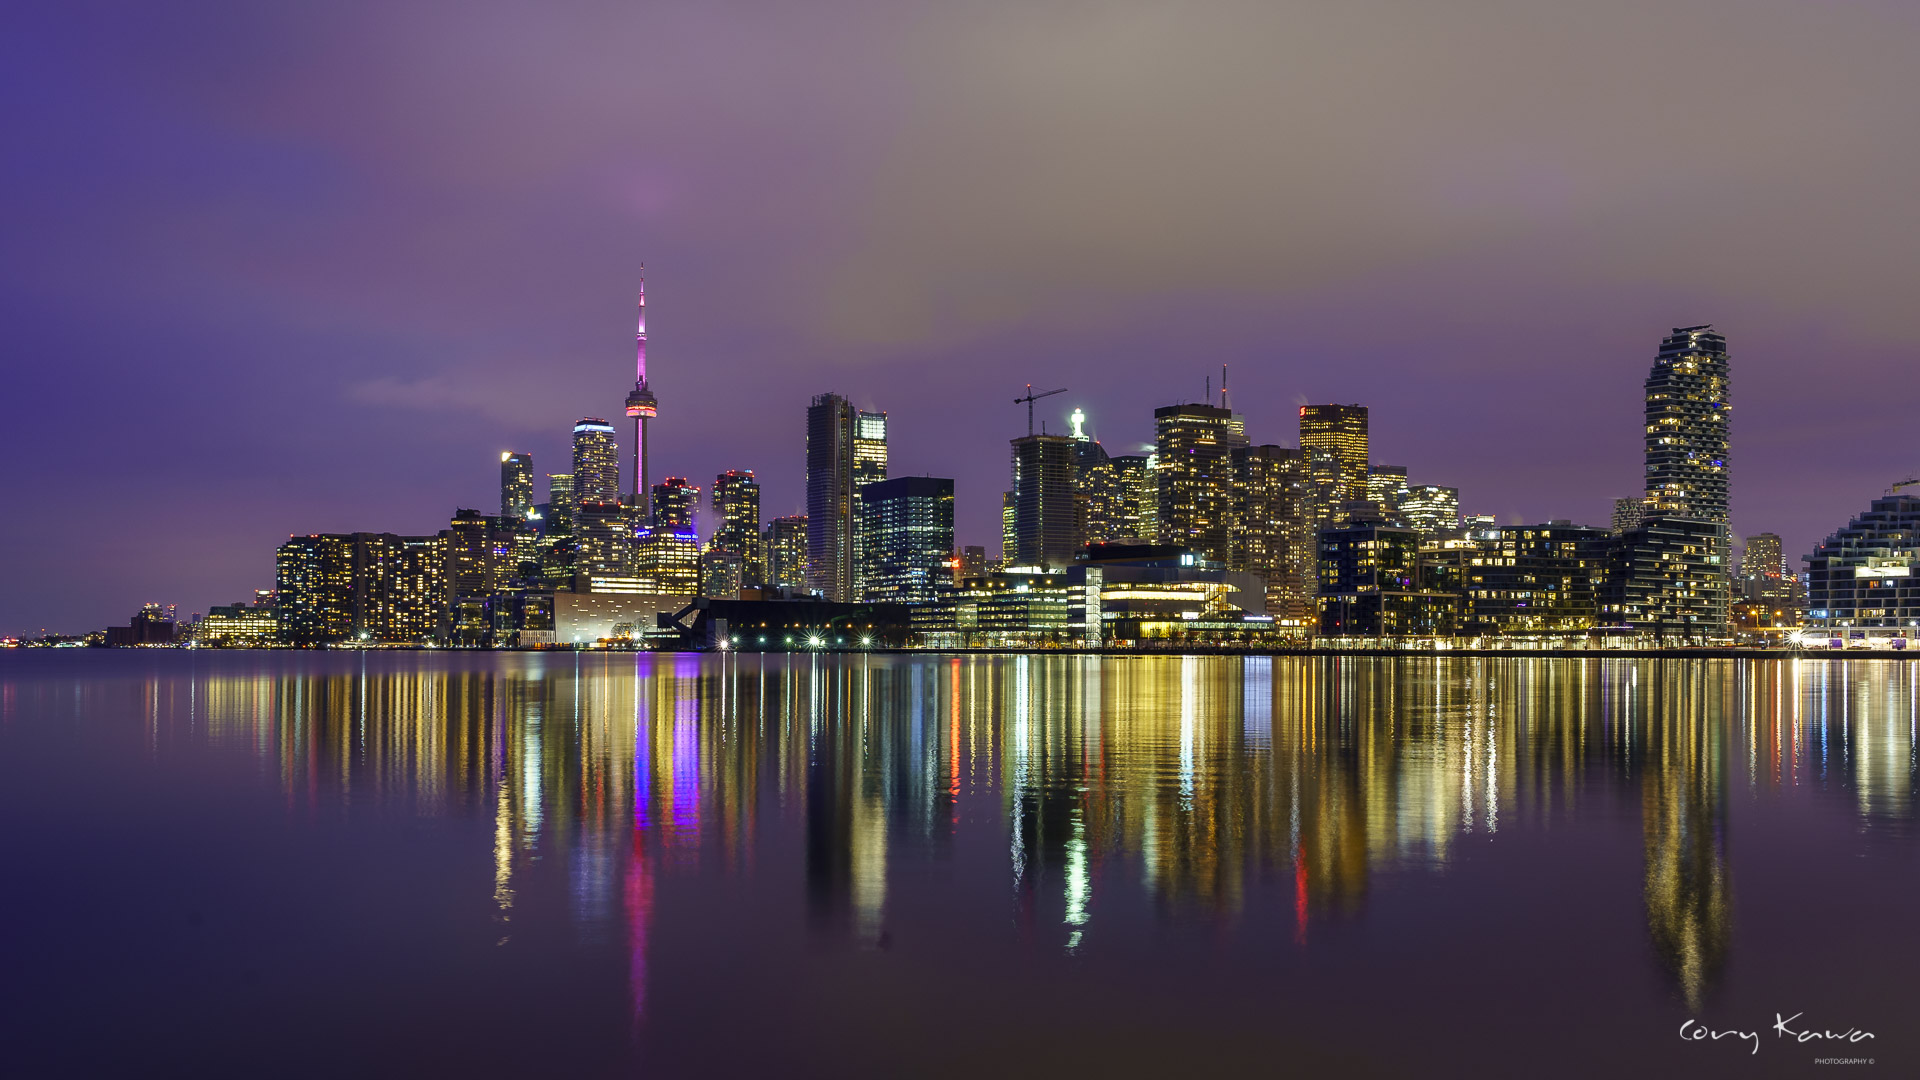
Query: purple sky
(272, 271)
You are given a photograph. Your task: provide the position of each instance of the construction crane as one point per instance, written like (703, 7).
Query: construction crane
(1908, 482)
(1033, 397)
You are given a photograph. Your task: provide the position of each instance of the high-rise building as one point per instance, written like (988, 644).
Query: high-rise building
(1270, 536)
(721, 573)
(1333, 439)
(736, 508)
(1429, 508)
(1387, 487)
(1666, 578)
(363, 588)
(1045, 519)
(1687, 414)
(1195, 475)
(1007, 541)
(1139, 480)
(314, 582)
(846, 449)
(559, 500)
(1628, 513)
(906, 529)
(674, 502)
(596, 463)
(666, 559)
(516, 485)
(786, 547)
(642, 407)
(1863, 582)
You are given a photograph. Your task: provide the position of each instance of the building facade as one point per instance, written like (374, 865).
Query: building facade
(786, 549)
(1333, 440)
(846, 449)
(907, 533)
(516, 485)
(736, 509)
(1194, 474)
(1863, 582)
(1046, 518)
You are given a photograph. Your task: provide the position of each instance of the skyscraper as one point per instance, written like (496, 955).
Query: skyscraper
(1270, 535)
(1195, 473)
(642, 407)
(846, 449)
(1045, 521)
(736, 506)
(1333, 439)
(674, 502)
(907, 531)
(596, 463)
(1430, 508)
(516, 485)
(1687, 426)
(559, 499)
(1387, 487)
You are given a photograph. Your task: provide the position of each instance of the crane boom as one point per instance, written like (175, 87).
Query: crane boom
(1033, 397)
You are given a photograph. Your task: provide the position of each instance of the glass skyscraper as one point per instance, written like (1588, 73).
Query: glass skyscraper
(907, 531)
(846, 449)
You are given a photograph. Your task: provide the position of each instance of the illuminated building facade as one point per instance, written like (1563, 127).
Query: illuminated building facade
(1667, 579)
(1687, 426)
(675, 501)
(361, 588)
(666, 560)
(559, 499)
(1768, 600)
(1270, 534)
(313, 576)
(1863, 582)
(846, 449)
(641, 407)
(736, 506)
(1373, 584)
(907, 533)
(1193, 444)
(1007, 542)
(1522, 580)
(786, 548)
(1333, 438)
(1629, 513)
(721, 573)
(1045, 518)
(238, 626)
(1387, 487)
(596, 463)
(1429, 508)
(516, 485)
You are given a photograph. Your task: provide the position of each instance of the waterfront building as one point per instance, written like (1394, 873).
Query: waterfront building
(153, 624)
(1666, 578)
(786, 551)
(1373, 584)
(1430, 509)
(596, 463)
(1193, 444)
(675, 501)
(1333, 439)
(736, 507)
(516, 485)
(1045, 519)
(1521, 580)
(362, 588)
(313, 578)
(1687, 426)
(1863, 581)
(906, 531)
(846, 449)
(238, 626)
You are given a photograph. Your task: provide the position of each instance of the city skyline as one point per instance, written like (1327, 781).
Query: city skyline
(321, 268)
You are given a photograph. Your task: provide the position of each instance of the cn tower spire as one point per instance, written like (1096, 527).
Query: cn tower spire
(641, 408)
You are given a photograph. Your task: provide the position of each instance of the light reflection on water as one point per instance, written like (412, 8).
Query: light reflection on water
(1235, 793)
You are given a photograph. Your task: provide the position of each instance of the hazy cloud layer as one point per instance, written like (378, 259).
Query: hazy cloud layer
(271, 270)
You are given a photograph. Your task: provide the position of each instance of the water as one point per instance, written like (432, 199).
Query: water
(491, 864)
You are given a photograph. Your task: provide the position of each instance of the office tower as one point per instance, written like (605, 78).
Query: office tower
(666, 559)
(1195, 474)
(674, 502)
(1333, 438)
(1141, 496)
(559, 500)
(596, 463)
(786, 547)
(1387, 487)
(603, 535)
(1628, 513)
(642, 407)
(846, 449)
(736, 509)
(906, 529)
(1430, 508)
(1045, 521)
(516, 485)
(1687, 426)
(1863, 581)
(473, 572)
(1007, 542)
(1270, 537)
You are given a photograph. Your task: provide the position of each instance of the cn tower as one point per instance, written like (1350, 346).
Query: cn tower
(641, 407)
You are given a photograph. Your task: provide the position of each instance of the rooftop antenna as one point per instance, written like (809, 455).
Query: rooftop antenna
(1033, 397)
(1223, 389)
(1209, 397)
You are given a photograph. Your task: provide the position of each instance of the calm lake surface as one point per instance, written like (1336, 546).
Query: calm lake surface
(271, 864)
